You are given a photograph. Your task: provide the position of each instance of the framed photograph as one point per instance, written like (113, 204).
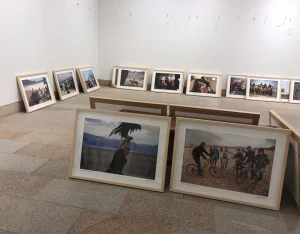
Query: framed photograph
(231, 162)
(66, 83)
(285, 90)
(236, 86)
(120, 148)
(295, 91)
(132, 78)
(167, 81)
(291, 178)
(263, 89)
(114, 78)
(88, 80)
(204, 85)
(36, 91)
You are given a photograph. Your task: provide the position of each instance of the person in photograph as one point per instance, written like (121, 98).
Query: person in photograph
(198, 152)
(214, 155)
(239, 159)
(118, 162)
(250, 158)
(224, 158)
(261, 161)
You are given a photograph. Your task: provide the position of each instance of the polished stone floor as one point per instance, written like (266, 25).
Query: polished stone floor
(36, 195)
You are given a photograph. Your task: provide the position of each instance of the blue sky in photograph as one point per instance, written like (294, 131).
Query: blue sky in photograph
(86, 74)
(64, 76)
(259, 81)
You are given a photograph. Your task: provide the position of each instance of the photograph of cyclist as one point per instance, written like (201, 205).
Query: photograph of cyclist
(227, 161)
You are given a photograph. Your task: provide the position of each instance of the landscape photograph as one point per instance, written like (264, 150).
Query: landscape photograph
(263, 88)
(36, 90)
(66, 82)
(89, 78)
(167, 81)
(121, 148)
(230, 162)
(237, 86)
(285, 89)
(132, 78)
(203, 84)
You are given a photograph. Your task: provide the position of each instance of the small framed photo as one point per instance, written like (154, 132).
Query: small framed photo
(263, 89)
(88, 80)
(295, 91)
(204, 85)
(36, 91)
(285, 90)
(125, 149)
(66, 83)
(114, 77)
(132, 78)
(167, 81)
(236, 86)
(230, 162)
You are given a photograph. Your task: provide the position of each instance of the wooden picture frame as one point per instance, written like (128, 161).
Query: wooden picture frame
(93, 81)
(236, 94)
(78, 170)
(284, 98)
(292, 176)
(215, 78)
(157, 85)
(39, 88)
(59, 74)
(138, 106)
(278, 137)
(223, 115)
(262, 79)
(292, 90)
(114, 77)
(135, 83)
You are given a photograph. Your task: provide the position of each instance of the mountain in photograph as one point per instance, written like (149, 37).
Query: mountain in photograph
(30, 82)
(102, 142)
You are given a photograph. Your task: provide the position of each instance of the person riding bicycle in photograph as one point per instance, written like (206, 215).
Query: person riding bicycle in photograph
(239, 159)
(262, 160)
(214, 155)
(250, 158)
(224, 158)
(197, 152)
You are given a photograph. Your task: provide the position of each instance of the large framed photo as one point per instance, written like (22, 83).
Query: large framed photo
(120, 148)
(263, 89)
(231, 162)
(295, 91)
(204, 85)
(87, 79)
(285, 90)
(132, 78)
(114, 78)
(236, 86)
(167, 81)
(66, 83)
(36, 91)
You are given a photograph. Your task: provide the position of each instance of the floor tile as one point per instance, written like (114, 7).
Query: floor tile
(11, 146)
(290, 216)
(47, 139)
(83, 194)
(28, 216)
(233, 218)
(97, 222)
(11, 134)
(189, 230)
(54, 168)
(20, 163)
(20, 184)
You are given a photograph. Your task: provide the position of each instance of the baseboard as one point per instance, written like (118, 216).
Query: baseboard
(12, 108)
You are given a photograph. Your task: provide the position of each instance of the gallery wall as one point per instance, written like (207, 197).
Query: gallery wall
(38, 36)
(223, 36)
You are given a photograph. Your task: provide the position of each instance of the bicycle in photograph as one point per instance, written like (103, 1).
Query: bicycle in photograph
(192, 169)
(256, 181)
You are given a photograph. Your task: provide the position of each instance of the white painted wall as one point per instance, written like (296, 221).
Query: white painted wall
(41, 35)
(227, 45)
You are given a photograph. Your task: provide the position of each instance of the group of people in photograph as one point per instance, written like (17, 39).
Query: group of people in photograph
(263, 89)
(257, 162)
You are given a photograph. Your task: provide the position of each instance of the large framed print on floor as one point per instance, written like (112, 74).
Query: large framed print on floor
(263, 89)
(167, 81)
(236, 86)
(36, 91)
(246, 166)
(295, 91)
(66, 83)
(120, 148)
(201, 84)
(132, 78)
(88, 80)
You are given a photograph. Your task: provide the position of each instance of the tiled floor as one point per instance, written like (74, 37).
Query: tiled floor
(36, 195)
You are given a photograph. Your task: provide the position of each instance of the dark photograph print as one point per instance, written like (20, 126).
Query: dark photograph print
(66, 83)
(263, 88)
(237, 86)
(296, 93)
(89, 78)
(226, 161)
(167, 81)
(132, 78)
(120, 148)
(203, 84)
(37, 90)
